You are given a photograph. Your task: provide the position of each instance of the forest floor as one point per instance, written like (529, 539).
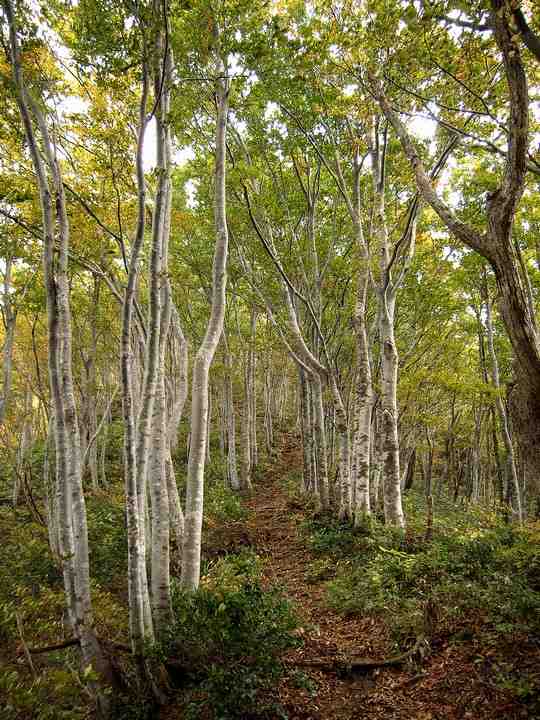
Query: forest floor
(449, 683)
(481, 579)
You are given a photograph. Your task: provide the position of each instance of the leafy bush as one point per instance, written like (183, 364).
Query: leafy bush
(228, 636)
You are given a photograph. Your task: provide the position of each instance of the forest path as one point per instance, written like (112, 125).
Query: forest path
(275, 533)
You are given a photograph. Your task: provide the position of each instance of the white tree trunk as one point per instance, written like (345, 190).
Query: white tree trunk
(9, 315)
(246, 427)
(74, 537)
(191, 556)
(393, 510)
(501, 410)
(232, 467)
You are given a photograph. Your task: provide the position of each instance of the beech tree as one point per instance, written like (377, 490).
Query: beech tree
(496, 243)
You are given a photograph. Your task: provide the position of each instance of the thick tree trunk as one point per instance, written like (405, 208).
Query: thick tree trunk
(377, 457)
(363, 398)
(363, 409)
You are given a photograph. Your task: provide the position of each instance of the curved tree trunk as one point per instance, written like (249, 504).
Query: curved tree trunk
(191, 555)
(72, 511)
(496, 243)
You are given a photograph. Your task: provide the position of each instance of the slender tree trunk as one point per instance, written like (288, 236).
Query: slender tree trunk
(10, 317)
(393, 511)
(308, 481)
(321, 451)
(25, 444)
(342, 431)
(501, 410)
(74, 537)
(232, 467)
(191, 556)
(253, 385)
(246, 428)
(268, 419)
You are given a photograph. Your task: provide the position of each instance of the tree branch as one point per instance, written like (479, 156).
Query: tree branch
(468, 235)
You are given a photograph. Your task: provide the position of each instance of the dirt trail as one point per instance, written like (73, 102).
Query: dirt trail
(444, 688)
(274, 531)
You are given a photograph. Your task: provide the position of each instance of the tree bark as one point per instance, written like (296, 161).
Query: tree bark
(73, 533)
(191, 556)
(501, 410)
(9, 316)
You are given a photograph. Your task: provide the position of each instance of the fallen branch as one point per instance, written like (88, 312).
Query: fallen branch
(75, 641)
(350, 664)
(52, 648)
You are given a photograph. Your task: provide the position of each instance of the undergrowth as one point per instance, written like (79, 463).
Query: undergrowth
(227, 639)
(475, 577)
(31, 586)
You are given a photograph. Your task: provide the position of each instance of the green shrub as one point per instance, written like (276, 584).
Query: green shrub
(229, 636)
(474, 562)
(492, 570)
(25, 558)
(32, 699)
